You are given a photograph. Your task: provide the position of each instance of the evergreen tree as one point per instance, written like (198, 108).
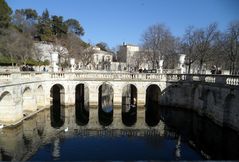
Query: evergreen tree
(59, 29)
(5, 14)
(44, 32)
(74, 27)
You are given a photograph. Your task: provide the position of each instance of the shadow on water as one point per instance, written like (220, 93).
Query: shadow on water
(214, 142)
(57, 112)
(152, 113)
(82, 105)
(57, 117)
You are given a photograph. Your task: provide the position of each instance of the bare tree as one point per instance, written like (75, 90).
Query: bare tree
(205, 39)
(86, 56)
(59, 47)
(157, 41)
(17, 46)
(189, 46)
(230, 44)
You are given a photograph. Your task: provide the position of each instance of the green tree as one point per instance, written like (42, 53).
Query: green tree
(74, 26)
(59, 29)
(44, 32)
(5, 14)
(25, 20)
(103, 46)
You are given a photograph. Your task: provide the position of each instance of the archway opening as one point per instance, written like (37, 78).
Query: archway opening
(105, 104)
(28, 101)
(6, 105)
(57, 106)
(129, 105)
(40, 96)
(82, 104)
(152, 115)
(227, 109)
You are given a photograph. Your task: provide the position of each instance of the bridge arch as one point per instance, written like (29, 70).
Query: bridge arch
(209, 101)
(230, 110)
(57, 113)
(153, 93)
(28, 100)
(82, 104)
(40, 97)
(6, 106)
(129, 104)
(105, 104)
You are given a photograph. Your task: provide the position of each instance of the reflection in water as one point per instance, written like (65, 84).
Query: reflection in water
(57, 108)
(82, 104)
(186, 137)
(129, 105)
(105, 107)
(56, 149)
(152, 105)
(213, 141)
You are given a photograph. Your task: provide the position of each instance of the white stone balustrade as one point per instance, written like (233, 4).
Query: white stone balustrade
(16, 77)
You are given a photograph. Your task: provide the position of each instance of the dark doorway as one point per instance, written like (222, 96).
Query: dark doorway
(152, 115)
(82, 104)
(57, 106)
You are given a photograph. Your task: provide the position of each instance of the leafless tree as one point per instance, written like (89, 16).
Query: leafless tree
(18, 46)
(189, 46)
(230, 45)
(205, 40)
(157, 41)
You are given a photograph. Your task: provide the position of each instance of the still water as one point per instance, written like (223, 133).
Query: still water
(182, 135)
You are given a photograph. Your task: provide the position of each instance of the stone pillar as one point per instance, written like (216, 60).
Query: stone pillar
(140, 123)
(118, 91)
(72, 63)
(69, 96)
(93, 108)
(161, 66)
(54, 61)
(117, 117)
(93, 95)
(181, 65)
(93, 118)
(29, 103)
(141, 107)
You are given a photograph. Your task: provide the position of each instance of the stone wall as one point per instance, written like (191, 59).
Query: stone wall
(218, 102)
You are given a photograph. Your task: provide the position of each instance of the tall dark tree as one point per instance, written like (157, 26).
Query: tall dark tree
(103, 46)
(44, 31)
(5, 14)
(25, 20)
(74, 27)
(59, 29)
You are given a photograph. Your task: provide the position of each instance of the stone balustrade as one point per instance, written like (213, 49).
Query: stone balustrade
(217, 79)
(32, 76)
(6, 77)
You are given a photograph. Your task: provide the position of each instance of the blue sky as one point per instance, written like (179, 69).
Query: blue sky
(118, 21)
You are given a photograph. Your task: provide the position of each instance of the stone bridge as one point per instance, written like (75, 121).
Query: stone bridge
(22, 94)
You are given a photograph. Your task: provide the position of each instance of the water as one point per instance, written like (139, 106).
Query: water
(181, 135)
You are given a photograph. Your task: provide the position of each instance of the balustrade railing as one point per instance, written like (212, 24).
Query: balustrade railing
(7, 77)
(216, 79)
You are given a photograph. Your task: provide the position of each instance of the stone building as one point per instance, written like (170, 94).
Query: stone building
(101, 59)
(126, 54)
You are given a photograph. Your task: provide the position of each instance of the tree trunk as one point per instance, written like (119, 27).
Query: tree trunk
(200, 67)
